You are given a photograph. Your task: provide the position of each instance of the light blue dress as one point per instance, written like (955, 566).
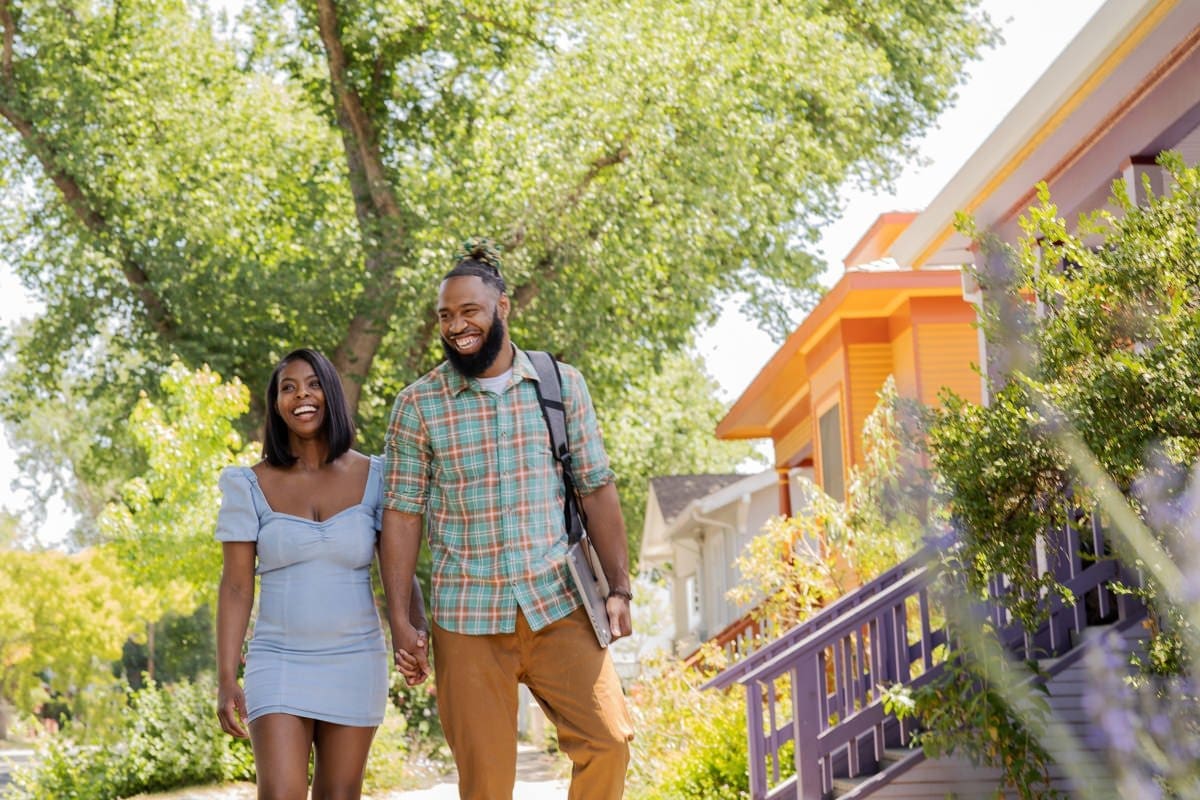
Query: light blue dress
(317, 649)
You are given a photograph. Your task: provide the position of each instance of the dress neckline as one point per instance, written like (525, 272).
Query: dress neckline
(250, 474)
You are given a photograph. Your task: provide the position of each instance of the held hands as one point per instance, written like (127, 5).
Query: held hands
(411, 654)
(231, 710)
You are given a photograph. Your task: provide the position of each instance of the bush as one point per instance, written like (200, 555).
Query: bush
(418, 705)
(169, 738)
(689, 743)
(387, 764)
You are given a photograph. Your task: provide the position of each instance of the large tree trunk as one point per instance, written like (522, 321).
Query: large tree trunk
(380, 218)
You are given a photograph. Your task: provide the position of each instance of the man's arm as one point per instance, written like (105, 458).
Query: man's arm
(606, 527)
(399, 546)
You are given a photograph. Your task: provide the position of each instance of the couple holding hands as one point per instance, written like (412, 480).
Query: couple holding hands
(468, 462)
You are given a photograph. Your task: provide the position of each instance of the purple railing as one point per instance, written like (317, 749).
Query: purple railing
(814, 696)
(821, 619)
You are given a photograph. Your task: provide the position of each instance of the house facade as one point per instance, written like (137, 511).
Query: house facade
(1123, 91)
(696, 527)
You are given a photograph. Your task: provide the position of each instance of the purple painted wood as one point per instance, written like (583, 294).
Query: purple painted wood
(838, 662)
(832, 611)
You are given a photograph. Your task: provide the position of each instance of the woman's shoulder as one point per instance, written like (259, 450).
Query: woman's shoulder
(355, 463)
(236, 474)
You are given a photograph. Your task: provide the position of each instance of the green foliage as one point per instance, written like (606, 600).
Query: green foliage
(184, 647)
(162, 526)
(168, 739)
(690, 744)
(662, 424)
(1093, 358)
(964, 713)
(63, 620)
(800, 563)
(390, 763)
(1109, 355)
(418, 707)
(219, 199)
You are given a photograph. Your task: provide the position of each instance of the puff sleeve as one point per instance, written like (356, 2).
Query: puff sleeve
(374, 495)
(237, 521)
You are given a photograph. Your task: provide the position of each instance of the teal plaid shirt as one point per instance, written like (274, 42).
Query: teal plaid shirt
(479, 467)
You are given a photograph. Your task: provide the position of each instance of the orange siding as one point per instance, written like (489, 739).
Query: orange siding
(945, 355)
(904, 363)
(793, 443)
(868, 366)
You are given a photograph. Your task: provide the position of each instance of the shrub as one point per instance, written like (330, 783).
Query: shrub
(169, 738)
(689, 743)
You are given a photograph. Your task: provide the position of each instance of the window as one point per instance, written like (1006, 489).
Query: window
(829, 429)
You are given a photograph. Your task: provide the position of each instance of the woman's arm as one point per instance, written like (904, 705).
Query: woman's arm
(234, 601)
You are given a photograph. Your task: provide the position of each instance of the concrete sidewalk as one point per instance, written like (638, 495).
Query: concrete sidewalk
(10, 759)
(539, 777)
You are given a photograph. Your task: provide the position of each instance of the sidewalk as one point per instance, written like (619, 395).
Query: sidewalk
(538, 778)
(10, 759)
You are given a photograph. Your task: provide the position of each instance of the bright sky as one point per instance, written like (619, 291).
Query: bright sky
(1035, 31)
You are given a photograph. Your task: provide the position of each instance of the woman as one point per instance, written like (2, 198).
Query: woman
(316, 668)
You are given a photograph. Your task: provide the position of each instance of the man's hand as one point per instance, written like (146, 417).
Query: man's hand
(619, 620)
(411, 652)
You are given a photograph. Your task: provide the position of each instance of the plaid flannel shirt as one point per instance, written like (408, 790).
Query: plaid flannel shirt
(479, 467)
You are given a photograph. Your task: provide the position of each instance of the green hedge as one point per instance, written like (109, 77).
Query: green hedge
(168, 738)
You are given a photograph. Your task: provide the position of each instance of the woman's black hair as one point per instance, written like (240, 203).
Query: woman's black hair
(339, 424)
(479, 257)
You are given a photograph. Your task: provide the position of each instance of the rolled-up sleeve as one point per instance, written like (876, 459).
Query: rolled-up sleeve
(588, 456)
(407, 458)
(237, 521)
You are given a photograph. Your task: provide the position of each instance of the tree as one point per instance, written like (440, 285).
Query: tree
(221, 198)
(162, 527)
(662, 425)
(63, 620)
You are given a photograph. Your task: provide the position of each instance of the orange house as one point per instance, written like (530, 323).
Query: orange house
(814, 395)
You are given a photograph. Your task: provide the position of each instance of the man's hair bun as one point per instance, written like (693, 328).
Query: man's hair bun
(481, 249)
(479, 256)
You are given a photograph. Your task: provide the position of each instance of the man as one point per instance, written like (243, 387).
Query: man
(469, 458)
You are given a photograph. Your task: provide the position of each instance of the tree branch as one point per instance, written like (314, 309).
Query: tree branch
(492, 22)
(545, 270)
(10, 37)
(361, 131)
(76, 200)
(517, 234)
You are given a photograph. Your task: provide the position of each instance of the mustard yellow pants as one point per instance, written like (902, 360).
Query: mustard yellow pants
(569, 675)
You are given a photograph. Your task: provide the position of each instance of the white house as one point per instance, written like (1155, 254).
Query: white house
(696, 527)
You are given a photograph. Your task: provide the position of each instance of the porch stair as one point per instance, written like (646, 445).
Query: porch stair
(906, 774)
(816, 725)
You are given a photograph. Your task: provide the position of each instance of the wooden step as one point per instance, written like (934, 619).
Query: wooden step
(891, 757)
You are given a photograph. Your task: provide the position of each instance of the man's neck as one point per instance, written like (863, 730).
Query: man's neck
(503, 363)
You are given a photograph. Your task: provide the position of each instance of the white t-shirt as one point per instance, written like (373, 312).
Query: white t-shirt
(498, 384)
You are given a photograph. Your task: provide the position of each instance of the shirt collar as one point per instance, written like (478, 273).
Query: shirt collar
(457, 383)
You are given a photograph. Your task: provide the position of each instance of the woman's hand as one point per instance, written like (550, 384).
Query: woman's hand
(231, 710)
(414, 666)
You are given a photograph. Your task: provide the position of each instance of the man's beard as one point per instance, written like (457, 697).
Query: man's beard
(475, 364)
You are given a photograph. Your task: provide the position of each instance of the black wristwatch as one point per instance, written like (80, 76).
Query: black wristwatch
(628, 595)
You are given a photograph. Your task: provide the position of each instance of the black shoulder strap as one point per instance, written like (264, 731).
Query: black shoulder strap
(549, 392)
